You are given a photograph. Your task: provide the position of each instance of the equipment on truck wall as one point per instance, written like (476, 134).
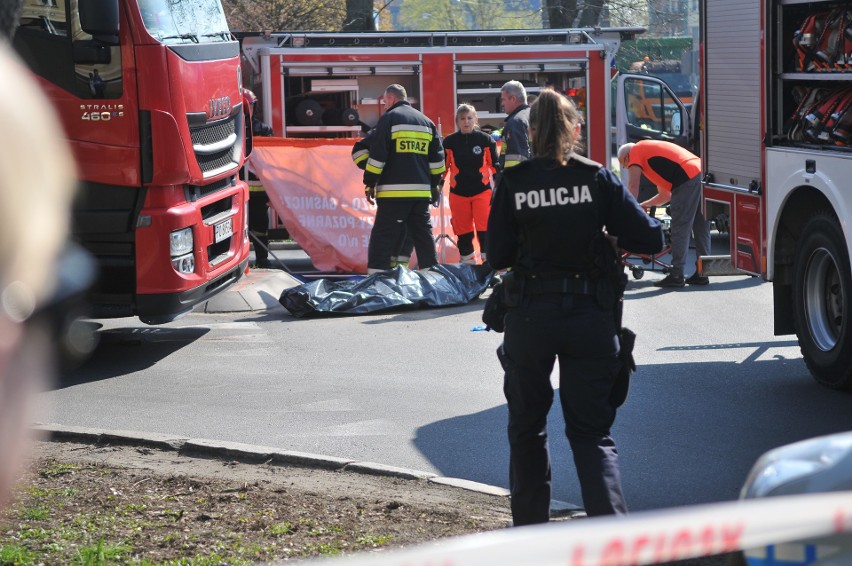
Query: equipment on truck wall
(776, 159)
(346, 74)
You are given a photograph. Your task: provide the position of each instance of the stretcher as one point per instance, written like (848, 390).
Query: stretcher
(639, 263)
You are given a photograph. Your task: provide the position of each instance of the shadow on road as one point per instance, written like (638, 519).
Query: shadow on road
(688, 433)
(123, 351)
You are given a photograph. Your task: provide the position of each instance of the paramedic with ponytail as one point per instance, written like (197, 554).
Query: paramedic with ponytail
(471, 159)
(547, 224)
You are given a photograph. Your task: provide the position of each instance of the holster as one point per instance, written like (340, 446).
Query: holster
(513, 289)
(627, 340)
(494, 312)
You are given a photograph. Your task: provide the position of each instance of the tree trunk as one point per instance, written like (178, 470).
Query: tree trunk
(560, 13)
(359, 16)
(591, 13)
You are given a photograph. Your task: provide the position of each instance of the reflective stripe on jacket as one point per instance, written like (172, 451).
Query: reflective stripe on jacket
(516, 137)
(406, 157)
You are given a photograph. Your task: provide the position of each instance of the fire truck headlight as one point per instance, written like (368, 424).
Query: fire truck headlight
(180, 247)
(181, 242)
(184, 263)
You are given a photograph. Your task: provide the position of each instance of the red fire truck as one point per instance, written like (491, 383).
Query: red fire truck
(149, 96)
(330, 84)
(776, 102)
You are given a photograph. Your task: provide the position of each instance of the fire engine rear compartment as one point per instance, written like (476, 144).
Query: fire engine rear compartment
(330, 85)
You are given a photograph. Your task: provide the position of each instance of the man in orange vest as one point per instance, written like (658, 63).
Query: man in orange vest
(677, 174)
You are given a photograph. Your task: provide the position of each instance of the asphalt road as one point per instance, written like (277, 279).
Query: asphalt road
(714, 390)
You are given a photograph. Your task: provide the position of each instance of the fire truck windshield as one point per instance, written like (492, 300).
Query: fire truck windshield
(185, 21)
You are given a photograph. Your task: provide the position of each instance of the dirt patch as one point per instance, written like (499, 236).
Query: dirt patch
(88, 504)
(94, 505)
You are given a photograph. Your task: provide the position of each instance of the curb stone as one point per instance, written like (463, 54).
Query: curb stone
(248, 453)
(253, 454)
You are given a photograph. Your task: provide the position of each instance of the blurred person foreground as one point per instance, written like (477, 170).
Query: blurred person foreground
(39, 272)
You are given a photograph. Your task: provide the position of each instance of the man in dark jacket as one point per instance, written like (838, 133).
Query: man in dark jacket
(516, 139)
(404, 170)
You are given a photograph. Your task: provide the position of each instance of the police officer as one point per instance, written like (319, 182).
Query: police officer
(546, 215)
(516, 140)
(403, 173)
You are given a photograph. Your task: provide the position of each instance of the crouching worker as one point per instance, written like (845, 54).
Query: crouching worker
(677, 174)
(546, 224)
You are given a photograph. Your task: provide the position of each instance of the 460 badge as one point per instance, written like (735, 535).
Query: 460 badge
(101, 112)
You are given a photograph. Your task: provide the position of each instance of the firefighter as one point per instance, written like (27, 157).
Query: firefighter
(258, 212)
(515, 136)
(360, 154)
(403, 175)
(546, 224)
(677, 174)
(471, 155)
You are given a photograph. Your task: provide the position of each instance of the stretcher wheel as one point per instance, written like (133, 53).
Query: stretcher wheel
(638, 272)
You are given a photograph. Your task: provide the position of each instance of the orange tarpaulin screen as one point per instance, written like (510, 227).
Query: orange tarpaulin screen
(318, 193)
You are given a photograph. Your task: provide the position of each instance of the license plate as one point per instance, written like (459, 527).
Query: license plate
(223, 230)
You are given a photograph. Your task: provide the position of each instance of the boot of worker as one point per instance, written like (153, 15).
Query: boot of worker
(697, 279)
(469, 259)
(673, 279)
(261, 251)
(400, 260)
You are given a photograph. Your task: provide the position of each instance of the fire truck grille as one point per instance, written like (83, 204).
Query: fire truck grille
(195, 192)
(213, 133)
(207, 140)
(213, 161)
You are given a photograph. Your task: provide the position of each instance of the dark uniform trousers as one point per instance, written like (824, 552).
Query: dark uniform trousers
(582, 336)
(393, 216)
(258, 218)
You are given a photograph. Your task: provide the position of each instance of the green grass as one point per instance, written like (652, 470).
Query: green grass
(35, 513)
(282, 529)
(100, 554)
(13, 555)
(374, 541)
(56, 469)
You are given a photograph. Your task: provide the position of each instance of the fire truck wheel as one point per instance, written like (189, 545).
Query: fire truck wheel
(822, 294)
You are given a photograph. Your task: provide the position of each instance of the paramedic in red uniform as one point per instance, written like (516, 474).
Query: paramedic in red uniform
(471, 159)
(677, 174)
(405, 166)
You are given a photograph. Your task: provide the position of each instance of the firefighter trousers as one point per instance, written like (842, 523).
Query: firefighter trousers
(581, 335)
(393, 216)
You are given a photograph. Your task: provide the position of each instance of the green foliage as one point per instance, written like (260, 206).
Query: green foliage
(35, 513)
(372, 541)
(14, 555)
(279, 529)
(283, 15)
(448, 15)
(55, 469)
(657, 48)
(100, 554)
